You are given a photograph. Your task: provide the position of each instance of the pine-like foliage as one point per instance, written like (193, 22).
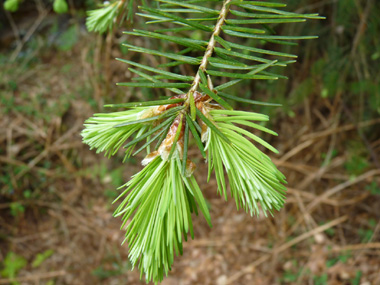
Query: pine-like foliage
(157, 202)
(104, 18)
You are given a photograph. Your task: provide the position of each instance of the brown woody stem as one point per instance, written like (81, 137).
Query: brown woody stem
(210, 48)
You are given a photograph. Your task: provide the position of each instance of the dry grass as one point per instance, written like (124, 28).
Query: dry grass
(323, 233)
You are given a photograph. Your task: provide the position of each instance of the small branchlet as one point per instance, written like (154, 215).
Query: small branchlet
(158, 201)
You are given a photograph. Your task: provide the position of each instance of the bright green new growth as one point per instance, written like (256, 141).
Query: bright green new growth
(158, 201)
(252, 176)
(104, 18)
(102, 133)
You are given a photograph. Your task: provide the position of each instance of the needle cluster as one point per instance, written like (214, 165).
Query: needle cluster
(157, 203)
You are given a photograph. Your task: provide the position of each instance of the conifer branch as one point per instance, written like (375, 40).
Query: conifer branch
(158, 201)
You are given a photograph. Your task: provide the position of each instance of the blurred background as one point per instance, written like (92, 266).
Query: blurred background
(56, 224)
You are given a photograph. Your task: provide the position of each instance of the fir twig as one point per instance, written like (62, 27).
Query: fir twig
(158, 201)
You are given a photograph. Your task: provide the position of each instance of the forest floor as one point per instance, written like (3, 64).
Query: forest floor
(56, 224)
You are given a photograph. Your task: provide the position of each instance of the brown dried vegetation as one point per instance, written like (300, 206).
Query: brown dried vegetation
(53, 190)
